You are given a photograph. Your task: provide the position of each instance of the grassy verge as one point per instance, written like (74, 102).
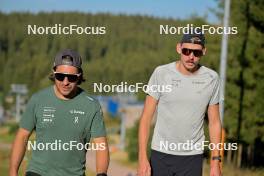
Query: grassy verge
(5, 136)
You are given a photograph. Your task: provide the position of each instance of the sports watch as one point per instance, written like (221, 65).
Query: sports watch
(216, 158)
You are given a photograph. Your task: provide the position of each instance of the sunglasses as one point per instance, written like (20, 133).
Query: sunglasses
(71, 77)
(196, 53)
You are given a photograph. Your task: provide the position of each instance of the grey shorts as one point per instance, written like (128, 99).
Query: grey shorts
(163, 164)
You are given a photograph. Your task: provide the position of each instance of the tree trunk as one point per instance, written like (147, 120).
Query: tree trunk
(243, 64)
(250, 155)
(229, 156)
(239, 156)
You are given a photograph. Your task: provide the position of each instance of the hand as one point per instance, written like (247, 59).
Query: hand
(215, 169)
(144, 168)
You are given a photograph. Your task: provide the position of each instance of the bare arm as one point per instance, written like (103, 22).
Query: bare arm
(102, 155)
(214, 131)
(18, 151)
(144, 127)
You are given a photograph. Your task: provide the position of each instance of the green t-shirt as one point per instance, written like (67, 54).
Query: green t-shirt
(62, 128)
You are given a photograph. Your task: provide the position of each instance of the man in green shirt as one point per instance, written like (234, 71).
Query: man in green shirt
(64, 118)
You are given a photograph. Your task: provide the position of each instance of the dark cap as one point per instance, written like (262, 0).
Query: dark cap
(194, 36)
(62, 59)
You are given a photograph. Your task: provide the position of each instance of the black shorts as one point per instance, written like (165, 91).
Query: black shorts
(29, 173)
(163, 164)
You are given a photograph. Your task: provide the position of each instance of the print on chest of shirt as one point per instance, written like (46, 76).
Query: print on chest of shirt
(48, 114)
(62, 119)
(187, 89)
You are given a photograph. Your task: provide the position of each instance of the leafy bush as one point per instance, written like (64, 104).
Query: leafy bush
(13, 127)
(132, 137)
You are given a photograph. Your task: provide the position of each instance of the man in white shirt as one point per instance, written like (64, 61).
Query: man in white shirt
(178, 134)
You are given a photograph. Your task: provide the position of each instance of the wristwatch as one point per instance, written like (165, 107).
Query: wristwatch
(216, 158)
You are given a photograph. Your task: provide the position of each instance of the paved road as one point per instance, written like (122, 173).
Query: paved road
(5, 146)
(115, 169)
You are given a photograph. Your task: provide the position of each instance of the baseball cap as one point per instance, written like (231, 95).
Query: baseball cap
(75, 59)
(194, 36)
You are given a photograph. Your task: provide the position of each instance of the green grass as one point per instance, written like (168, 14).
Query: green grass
(229, 170)
(4, 156)
(5, 136)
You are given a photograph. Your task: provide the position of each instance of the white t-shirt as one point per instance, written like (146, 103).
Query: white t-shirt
(181, 111)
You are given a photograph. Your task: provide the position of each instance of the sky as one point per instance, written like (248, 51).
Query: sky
(157, 8)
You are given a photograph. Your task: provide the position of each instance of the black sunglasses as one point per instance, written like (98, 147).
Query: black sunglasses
(196, 53)
(71, 77)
